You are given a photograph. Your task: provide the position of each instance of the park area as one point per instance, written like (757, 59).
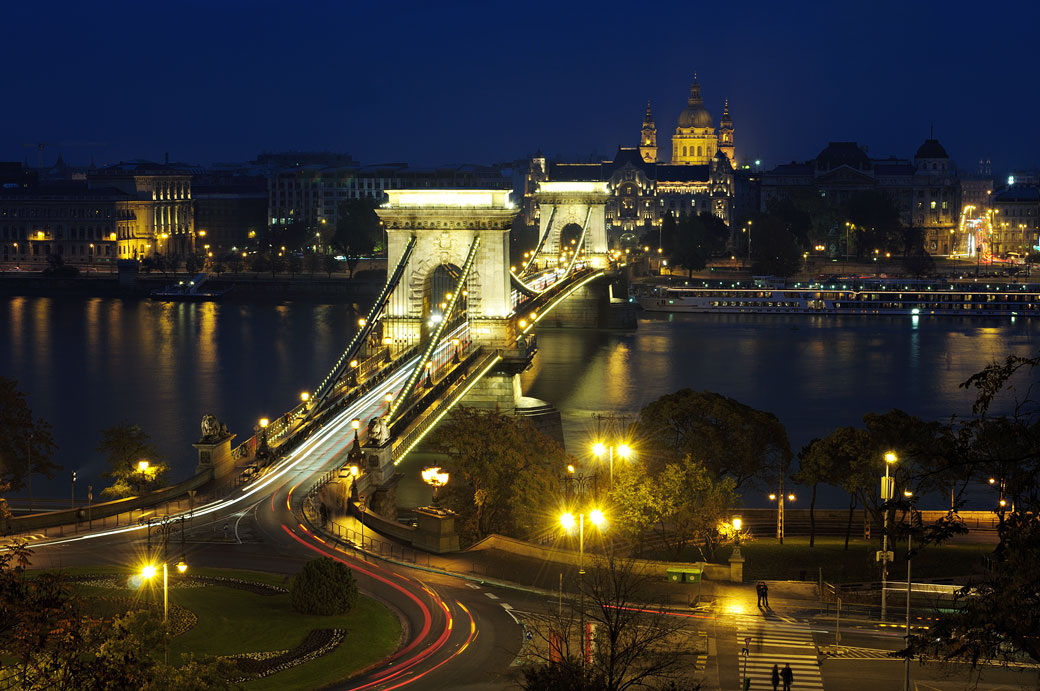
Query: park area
(247, 619)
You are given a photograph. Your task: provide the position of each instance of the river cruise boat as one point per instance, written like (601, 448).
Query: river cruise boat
(187, 291)
(854, 296)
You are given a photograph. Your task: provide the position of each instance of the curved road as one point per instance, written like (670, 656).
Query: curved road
(455, 636)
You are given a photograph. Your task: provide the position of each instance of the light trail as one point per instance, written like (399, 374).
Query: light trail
(296, 460)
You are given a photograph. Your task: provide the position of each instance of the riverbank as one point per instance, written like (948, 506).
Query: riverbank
(362, 287)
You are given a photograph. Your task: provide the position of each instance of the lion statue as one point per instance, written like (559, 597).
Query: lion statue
(378, 433)
(212, 430)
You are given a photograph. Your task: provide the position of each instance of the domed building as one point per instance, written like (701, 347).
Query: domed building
(695, 141)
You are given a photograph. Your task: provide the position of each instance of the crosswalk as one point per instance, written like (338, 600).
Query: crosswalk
(777, 643)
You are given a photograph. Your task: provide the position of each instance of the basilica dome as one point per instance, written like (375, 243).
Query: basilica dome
(695, 114)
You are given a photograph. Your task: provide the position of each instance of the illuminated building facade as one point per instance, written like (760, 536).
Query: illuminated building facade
(926, 190)
(1015, 220)
(698, 179)
(158, 210)
(65, 218)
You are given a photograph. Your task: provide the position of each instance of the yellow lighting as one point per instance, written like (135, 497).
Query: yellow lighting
(601, 187)
(599, 449)
(251, 234)
(304, 396)
(435, 477)
(597, 518)
(148, 572)
(355, 423)
(624, 451)
(353, 363)
(473, 198)
(361, 322)
(389, 397)
(202, 234)
(567, 521)
(790, 497)
(39, 234)
(111, 236)
(737, 523)
(992, 480)
(772, 497)
(907, 493)
(522, 323)
(264, 422)
(570, 468)
(890, 457)
(354, 471)
(142, 466)
(181, 566)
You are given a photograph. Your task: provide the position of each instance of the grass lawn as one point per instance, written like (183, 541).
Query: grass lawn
(769, 560)
(233, 621)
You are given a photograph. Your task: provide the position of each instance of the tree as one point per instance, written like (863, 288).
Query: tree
(502, 471)
(690, 249)
(876, 221)
(682, 503)
(358, 229)
(294, 264)
(124, 446)
(775, 250)
(731, 439)
(814, 467)
(258, 264)
(194, 262)
(635, 644)
(324, 586)
(920, 263)
(312, 262)
(330, 264)
(234, 262)
(26, 444)
(669, 233)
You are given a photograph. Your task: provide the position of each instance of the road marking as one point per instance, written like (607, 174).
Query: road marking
(774, 643)
(492, 596)
(509, 611)
(472, 585)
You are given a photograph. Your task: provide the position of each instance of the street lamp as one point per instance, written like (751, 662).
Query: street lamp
(736, 522)
(150, 570)
(779, 499)
(142, 467)
(887, 492)
(623, 452)
(435, 478)
(567, 521)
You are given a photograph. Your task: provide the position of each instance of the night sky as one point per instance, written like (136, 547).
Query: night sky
(434, 82)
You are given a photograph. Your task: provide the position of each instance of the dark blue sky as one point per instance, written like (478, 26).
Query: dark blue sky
(433, 82)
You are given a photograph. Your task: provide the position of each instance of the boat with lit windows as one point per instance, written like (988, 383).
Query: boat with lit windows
(187, 291)
(853, 296)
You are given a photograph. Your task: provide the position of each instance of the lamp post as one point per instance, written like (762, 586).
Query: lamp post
(737, 522)
(909, 558)
(779, 499)
(567, 521)
(623, 452)
(164, 526)
(887, 486)
(436, 478)
(142, 468)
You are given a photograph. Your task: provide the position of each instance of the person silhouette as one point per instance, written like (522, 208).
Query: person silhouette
(776, 677)
(787, 675)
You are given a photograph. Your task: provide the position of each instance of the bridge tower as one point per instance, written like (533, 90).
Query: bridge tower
(565, 209)
(445, 223)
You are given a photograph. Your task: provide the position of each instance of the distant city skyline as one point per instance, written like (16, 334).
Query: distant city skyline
(428, 85)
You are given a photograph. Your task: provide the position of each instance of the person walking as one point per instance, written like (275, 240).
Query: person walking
(765, 594)
(776, 677)
(760, 589)
(788, 676)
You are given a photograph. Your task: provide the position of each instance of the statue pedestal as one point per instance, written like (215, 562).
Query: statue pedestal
(436, 530)
(215, 456)
(736, 566)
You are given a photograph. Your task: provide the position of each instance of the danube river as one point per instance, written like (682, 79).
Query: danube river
(88, 363)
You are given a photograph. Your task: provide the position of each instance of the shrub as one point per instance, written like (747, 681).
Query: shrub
(324, 587)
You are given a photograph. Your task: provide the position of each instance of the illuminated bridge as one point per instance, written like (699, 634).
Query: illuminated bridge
(454, 319)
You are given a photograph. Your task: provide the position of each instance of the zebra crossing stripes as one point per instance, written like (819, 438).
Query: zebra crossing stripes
(775, 643)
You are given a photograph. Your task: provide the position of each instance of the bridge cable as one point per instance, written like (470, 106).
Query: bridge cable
(325, 388)
(435, 337)
(541, 242)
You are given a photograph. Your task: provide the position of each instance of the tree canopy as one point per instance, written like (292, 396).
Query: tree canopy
(26, 443)
(501, 470)
(124, 446)
(358, 230)
(731, 439)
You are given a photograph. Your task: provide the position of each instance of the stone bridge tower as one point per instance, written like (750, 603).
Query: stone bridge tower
(445, 223)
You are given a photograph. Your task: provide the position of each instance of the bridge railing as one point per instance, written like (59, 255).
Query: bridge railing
(446, 391)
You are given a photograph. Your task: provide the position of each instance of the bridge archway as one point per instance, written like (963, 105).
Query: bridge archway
(570, 236)
(438, 287)
(581, 204)
(445, 224)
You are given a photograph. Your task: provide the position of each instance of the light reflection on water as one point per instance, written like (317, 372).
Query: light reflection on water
(90, 363)
(86, 364)
(813, 373)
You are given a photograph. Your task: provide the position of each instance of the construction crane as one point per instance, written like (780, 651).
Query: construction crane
(40, 146)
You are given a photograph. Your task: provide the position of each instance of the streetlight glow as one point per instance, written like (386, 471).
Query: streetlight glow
(304, 396)
(568, 521)
(142, 466)
(597, 518)
(264, 422)
(148, 572)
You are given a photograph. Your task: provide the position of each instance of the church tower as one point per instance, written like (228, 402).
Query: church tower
(694, 141)
(726, 135)
(648, 137)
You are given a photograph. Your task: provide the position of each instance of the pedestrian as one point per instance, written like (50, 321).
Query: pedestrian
(776, 677)
(760, 589)
(765, 594)
(788, 676)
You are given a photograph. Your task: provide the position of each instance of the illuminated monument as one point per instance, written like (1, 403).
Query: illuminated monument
(635, 191)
